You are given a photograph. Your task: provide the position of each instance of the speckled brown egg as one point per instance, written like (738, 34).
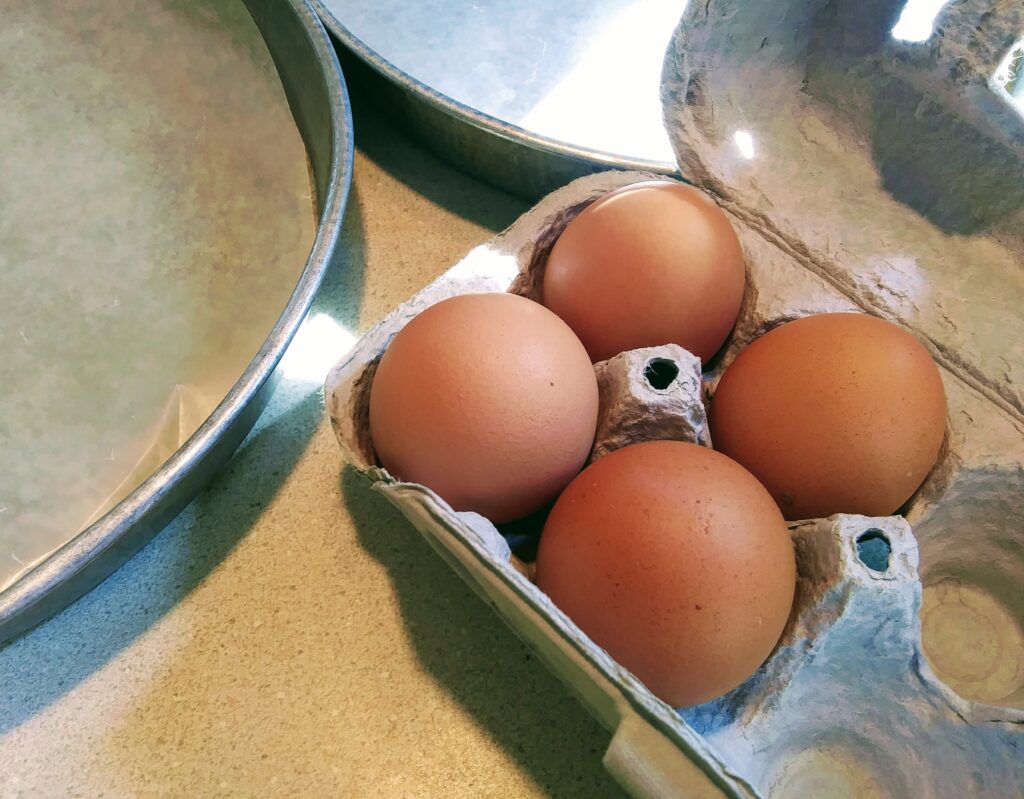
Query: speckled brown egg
(488, 399)
(835, 413)
(654, 263)
(676, 560)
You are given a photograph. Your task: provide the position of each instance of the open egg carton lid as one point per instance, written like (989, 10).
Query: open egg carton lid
(892, 169)
(852, 701)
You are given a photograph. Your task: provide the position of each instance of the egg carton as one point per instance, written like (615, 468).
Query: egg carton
(901, 669)
(847, 698)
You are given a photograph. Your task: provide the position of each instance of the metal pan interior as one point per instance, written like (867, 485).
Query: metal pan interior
(173, 183)
(528, 95)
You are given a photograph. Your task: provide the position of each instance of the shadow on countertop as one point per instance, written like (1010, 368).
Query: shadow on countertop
(465, 196)
(468, 649)
(464, 646)
(49, 661)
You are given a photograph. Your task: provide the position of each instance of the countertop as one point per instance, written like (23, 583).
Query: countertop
(290, 634)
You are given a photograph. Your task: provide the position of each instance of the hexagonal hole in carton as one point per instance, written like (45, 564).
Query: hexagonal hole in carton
(660, 373)
(874, 549)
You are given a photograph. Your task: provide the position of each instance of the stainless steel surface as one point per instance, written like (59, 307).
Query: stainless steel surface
(525, 95)
(311, 79)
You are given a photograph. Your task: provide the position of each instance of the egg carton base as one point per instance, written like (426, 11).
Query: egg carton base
(848, 686)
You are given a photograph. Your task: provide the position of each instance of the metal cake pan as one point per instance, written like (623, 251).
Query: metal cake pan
(409, 60)
(307, 69)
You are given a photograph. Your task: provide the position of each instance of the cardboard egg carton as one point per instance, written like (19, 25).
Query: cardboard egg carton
(901, 670)
(849, 682)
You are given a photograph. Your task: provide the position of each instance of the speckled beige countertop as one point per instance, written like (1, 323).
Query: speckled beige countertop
(289, 634)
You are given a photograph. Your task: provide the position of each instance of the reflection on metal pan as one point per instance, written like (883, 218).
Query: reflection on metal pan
(527, 96)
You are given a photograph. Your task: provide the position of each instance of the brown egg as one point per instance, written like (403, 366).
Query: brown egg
(837, 413)
(675, 560)
(649, 264)
(488, 399)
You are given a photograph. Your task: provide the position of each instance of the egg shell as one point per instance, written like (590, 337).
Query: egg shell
(490, 399)
(675, 559)
(851, 626)
(808, 389)
(652, 263)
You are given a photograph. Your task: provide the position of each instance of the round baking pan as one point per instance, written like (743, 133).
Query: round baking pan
(288, 39)
(525, 96)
